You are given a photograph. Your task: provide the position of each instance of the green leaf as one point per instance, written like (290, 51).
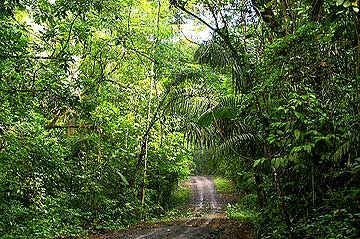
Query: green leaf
(347, 4)
(299, 116)
(257, 162)
(297, 134)
(339, 2)
(123, 178)
(279, 162)
(268, 5)
(307, 148)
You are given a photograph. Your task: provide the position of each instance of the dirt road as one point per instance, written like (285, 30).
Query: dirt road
(206, 208)
(209, 221)
(203, 193)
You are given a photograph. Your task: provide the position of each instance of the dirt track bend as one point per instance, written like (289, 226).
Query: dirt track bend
(207, 210)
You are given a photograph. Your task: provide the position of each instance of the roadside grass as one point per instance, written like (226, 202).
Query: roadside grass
(224, 185)
(181, 195)
(179, 202)
(242, 214)
(245, 210)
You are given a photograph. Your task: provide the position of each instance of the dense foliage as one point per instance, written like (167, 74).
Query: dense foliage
(84, 86)
(290, 135)
(105, 105)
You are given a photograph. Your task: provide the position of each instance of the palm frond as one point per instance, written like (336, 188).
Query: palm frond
(215, 124)
(342, 150)
(227, 107)
(214, 54)
(239, 80)
(217, 55)
(197, 134)
(235, 144)
(191, 102)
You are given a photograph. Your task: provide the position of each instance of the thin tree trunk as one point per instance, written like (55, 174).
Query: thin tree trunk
(260, 187)
(152, 78)
(152, 81)
(313, 186)
(282, 201)
(357, 31)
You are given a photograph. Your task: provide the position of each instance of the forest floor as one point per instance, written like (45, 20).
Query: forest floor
(209, 219)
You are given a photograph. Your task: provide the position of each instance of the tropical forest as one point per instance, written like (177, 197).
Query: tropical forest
(181, 119)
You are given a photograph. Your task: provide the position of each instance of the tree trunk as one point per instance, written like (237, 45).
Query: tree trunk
(260, 187)
(282, 201)
(152, 82)
(316, 10)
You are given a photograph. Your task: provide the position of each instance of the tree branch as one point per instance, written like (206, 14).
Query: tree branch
(182, 8)
(69, 35)
(23, 90)
(90, 127)
(224, 35)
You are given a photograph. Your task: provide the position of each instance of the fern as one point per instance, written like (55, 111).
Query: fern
(342, 150)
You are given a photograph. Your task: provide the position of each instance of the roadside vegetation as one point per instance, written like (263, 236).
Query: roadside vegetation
(224, 185)
(178, 204)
